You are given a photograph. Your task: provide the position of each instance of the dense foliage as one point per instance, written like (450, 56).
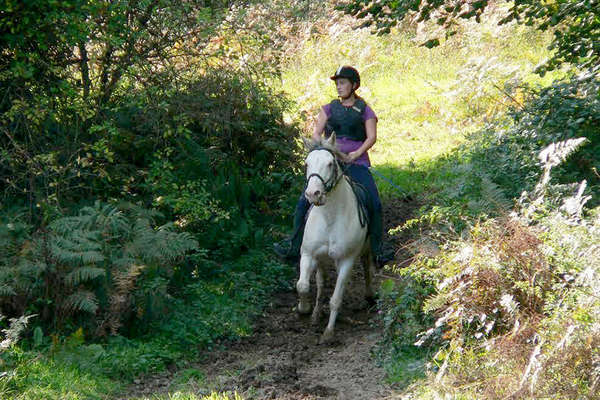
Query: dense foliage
(144, 157)
(565, 110)
(137, 103)
(90, 264)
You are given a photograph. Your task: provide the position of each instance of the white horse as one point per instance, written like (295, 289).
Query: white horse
(333, 230)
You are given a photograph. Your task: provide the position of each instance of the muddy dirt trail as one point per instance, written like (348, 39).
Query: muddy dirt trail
(283, 360)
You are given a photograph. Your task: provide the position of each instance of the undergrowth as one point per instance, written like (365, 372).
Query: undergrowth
(516, 310)
(459, 131)
(514, 292)
(209, 311)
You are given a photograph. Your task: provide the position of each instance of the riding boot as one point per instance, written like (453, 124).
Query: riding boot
(380, 254)
(362, 175)
(289, 249)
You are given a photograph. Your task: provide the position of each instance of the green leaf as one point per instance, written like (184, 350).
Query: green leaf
(38, 336)
(82, 301)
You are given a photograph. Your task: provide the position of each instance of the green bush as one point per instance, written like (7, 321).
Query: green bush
(565, 110)
(487, 175)
(103, 267)
(213, 155)
(228, 145)
(516, 296)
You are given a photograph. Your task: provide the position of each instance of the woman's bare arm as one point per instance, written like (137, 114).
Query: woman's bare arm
(319, 126)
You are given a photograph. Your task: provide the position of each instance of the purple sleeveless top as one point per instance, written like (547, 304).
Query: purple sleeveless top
(346, 145)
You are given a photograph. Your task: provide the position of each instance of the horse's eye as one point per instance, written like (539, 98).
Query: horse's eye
(330, 164)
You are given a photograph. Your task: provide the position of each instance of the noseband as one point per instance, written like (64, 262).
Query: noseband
(332, 182)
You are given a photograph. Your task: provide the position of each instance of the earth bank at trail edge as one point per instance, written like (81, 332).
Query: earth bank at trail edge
(283, 360)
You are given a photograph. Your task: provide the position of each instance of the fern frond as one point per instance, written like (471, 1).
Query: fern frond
(28, 268)
(175, 244)
(82, 300)
(573, 205)
(138, 212)
(124, 261)
(551, 156)
(17, 325)
(105, 218)
(125, 281)
(161, 245)
(76, 249)
(556, 153)
(112, 219)
(26, 275)
(78, 241)
(6, 290)
(83, 274)
(76, 257)
(65, 225)
(169, 245)
(493, 194)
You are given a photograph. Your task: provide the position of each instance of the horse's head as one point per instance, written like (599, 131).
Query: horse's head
(323, 171)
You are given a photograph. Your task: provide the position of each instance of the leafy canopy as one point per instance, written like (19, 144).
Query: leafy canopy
(575, 23)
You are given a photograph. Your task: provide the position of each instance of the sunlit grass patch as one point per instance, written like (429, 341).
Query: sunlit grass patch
(36, 376)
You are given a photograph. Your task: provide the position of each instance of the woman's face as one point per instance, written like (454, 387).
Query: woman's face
(344, 87)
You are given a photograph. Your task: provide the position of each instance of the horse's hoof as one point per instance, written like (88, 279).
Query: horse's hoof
(326, 337)
(303, 308)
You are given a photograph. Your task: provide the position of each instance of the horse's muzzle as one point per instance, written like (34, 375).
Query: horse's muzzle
(316, 198)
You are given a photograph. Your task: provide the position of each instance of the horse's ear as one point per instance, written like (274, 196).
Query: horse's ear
(331, 140)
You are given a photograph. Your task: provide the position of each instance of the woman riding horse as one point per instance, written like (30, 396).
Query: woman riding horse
(355, 126)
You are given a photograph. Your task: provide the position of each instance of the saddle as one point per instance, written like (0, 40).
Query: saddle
(365, 203)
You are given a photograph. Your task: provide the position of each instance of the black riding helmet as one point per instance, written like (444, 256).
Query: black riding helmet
(349, 73)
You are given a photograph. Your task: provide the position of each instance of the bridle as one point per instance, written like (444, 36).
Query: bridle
(332, 182)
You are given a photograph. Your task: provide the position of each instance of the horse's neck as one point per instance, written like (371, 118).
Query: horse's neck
(340, 202)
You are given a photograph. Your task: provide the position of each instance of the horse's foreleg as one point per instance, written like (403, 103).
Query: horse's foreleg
(307, 266)
(344, 269)
(369, 266)
(319, 302)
